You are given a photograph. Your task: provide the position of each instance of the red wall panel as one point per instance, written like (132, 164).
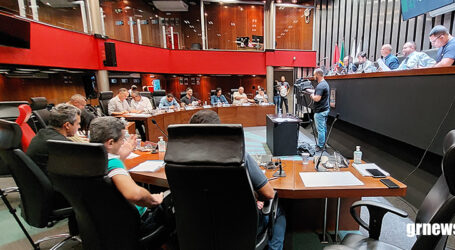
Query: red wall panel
(304, 59)
(54, 47)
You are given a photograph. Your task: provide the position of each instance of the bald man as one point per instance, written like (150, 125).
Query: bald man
(390, 60)
(414, 59)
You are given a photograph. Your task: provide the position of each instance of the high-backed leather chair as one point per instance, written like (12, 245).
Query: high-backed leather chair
(9, 111)
(104, 98)
(40, 112)
(148, 95)
(212, 92)
(196, 46)
(36, 191)
(438, 207)
(27, 133)
(214, 200)
(182, 94)
(157, 95)
(105, 218)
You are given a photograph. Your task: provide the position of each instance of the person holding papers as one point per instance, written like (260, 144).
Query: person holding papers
(414, 59)
(365, 65)
(389, 60)
(110, 132)
(261, 97)
(118, 105)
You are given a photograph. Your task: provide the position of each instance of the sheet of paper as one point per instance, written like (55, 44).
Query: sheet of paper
(382, 65)
(285, 120)
(362, 169)
(329, 179)
(132, 156)
(148, 166)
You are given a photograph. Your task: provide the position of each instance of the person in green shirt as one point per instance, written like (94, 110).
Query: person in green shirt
(110, 131)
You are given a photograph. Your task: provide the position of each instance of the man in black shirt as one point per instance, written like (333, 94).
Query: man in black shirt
(321, 106)
(64, 120)
(188, 99)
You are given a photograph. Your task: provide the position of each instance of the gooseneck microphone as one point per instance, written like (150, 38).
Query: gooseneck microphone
(154, 122)
(325, 144)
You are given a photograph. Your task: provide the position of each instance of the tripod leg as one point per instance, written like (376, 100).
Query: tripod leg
(311, 121)
(13, 212)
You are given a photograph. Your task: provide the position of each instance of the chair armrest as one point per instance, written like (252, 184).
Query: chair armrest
(270, 209)
(10, 190)
(377, 211)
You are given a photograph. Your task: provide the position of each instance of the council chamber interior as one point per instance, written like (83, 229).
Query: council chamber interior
(227, 124)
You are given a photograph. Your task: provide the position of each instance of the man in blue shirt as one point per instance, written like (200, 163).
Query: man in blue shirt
(258, 181)
(440, 38)
(390, 60)
(218, 98)
(321, 106)
(168, 101)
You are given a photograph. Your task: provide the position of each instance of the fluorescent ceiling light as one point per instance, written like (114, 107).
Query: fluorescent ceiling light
(29, 70)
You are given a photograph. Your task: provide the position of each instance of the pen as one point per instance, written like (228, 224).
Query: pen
(273, 178)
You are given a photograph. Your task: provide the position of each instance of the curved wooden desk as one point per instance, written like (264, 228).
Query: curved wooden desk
(248, 116)
(305, 205)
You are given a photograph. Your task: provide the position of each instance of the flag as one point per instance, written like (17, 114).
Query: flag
(336, 55)
(340, 60)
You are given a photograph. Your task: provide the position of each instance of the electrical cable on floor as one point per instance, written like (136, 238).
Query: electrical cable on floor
(432, 141)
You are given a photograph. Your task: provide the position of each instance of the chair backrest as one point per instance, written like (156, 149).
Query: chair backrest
(35, 189)
(40, 111)
(212, 92)
(104, 98)
(214, 201)
(27, 133)
(232, 93)
(433, 53)
(439, 204)
(182, 94)
(157, 95)
(196, 46)
(148, 95)
(106, 220)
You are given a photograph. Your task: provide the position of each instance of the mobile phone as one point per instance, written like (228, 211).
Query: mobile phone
(389, 183)
(375, 173)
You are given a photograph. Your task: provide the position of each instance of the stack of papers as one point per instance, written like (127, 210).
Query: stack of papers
(329, 179)
(362, 169)
(138, 115)
(148, 166)
(132, 155)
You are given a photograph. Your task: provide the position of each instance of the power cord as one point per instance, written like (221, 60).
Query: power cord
(432, 141)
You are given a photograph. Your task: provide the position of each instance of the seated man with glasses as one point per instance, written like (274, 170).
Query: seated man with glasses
(440, 38)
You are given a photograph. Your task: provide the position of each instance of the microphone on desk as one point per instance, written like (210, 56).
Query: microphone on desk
(325, 145)
(154, 122)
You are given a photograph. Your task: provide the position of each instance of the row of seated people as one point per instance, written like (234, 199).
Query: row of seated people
(439, 37)
(64, 122)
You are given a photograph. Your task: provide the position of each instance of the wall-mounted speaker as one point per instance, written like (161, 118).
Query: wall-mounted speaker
(111, 56)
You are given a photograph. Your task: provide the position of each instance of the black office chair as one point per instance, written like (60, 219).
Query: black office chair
(106, 219)
(437, 207)
(104, 98)
(196, 46)
(157, 95)
(182, 94)
(36, 191)
(40, 112)
(214, 201)
(212, 92)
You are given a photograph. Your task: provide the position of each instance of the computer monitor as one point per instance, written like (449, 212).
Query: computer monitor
(257, 39)
(242, 41)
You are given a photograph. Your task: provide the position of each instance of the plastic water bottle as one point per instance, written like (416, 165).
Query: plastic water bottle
(357, 155)
(127, 135)
(161, 145)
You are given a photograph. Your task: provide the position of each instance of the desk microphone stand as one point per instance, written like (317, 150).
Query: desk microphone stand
(280, 172)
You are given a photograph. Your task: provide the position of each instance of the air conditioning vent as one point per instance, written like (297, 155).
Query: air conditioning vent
(171, 6)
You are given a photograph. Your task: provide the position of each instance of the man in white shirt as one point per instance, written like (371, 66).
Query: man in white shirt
(261, 96)
(140, 104)
(240, 97)
(118, 105)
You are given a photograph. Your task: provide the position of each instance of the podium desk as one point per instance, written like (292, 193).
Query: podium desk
(282, 134)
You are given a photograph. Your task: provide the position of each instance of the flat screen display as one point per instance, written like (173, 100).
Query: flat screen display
(14, 32)
(413, 8)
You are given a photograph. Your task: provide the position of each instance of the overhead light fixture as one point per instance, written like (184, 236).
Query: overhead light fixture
(75, 71)
(28, 70)
(443, 10)
(58, 69)
(48, 72)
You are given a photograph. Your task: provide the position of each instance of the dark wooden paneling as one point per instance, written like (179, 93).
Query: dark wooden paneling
(226, 22)
(54, 89)
(298, 34)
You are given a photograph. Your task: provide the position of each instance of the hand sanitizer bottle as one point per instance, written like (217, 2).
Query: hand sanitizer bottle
(161, 145)
(357, 155)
